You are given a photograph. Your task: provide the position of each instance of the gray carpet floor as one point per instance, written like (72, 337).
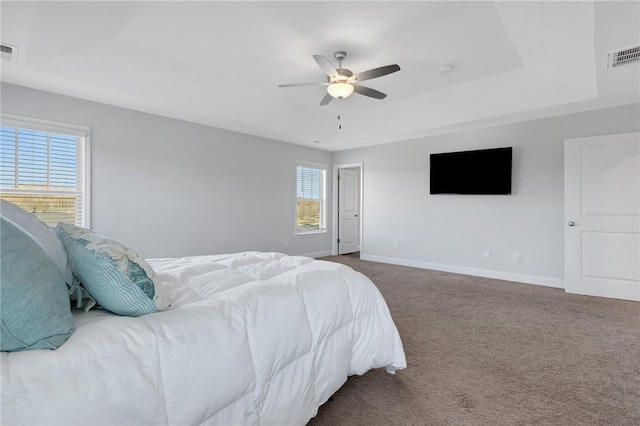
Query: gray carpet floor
(489, 352)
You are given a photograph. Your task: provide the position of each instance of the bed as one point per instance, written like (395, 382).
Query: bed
(250, 338)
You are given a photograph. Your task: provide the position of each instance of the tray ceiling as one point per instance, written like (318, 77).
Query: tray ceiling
(219, 63)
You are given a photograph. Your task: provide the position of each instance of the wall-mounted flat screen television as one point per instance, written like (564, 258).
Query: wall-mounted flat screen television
(486, 172)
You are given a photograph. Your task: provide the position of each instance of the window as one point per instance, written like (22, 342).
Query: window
(43, 169)
(310, 198)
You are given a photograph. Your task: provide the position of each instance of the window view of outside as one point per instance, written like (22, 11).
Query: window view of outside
(310, 194)
(39, 172)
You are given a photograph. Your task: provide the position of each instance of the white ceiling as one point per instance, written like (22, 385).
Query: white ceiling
(219, 63)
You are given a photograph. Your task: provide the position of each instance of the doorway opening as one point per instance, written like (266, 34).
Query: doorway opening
(347, 209)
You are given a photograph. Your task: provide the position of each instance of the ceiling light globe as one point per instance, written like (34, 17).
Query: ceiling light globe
(340, 90)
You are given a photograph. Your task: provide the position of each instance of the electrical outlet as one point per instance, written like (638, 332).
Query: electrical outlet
(516, 257)
(396, 245)
(286, 244)
(486, 254)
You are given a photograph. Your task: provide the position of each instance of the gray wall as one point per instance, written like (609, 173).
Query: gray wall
(450, 232)
(171, 188)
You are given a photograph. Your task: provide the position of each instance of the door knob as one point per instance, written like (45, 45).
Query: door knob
(571, 224)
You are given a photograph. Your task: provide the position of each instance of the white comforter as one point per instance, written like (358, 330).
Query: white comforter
(253, 338)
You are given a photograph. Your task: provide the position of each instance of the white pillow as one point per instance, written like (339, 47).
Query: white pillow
(42, 233)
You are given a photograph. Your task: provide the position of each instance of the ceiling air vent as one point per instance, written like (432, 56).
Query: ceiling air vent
(628, 55)
(8, 53)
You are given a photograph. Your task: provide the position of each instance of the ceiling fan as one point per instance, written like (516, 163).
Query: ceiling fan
(341, 82)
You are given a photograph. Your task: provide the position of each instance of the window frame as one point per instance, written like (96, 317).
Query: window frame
(49, 126)
(323, 199)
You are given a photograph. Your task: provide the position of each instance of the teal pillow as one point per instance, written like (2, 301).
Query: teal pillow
(41, 233)
(52, 246)
(117, 277)
(34, 304)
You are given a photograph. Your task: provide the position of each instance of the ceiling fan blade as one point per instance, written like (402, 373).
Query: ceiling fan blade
(303, 84)
(367, 91)
(374, 73)
(327, 98)
(326, 66)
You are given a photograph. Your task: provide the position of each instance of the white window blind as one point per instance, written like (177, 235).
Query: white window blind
(44, 171)
(310, 194)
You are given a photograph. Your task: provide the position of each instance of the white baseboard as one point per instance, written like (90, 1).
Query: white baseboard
(476, 272)
(317, 254)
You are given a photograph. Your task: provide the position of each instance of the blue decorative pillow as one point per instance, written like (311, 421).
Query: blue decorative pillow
(117, 277)
(41, 233)
(53, 247)
(34, 308)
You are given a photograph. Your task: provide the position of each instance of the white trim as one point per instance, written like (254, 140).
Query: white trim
(315, 254)
(321, 231)
(86, 164)
(49, 126)
(614, 138)
(476, 272)
(334, 204)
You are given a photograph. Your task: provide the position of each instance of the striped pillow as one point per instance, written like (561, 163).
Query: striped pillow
(117, 277)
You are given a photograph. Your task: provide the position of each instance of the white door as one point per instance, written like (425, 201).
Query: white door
(602, 216)
(348, 211)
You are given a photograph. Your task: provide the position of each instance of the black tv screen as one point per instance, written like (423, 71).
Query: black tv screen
(486, 172)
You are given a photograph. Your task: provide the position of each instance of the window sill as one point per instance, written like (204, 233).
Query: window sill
(312, 233)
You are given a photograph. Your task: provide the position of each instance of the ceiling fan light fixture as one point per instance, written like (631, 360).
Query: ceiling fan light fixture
(340, 82)
(340, 90)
